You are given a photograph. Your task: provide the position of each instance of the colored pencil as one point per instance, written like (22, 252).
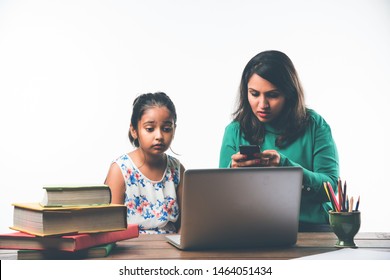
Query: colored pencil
(333, 197)
(345, 196)
(350, 204)
(330, 199)
(357, 204)
(340, 195)
(326, 190)
(327, 193)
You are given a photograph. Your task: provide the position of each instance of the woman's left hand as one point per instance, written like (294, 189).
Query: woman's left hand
(270, 158)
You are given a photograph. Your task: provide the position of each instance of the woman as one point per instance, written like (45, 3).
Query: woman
(271, 113)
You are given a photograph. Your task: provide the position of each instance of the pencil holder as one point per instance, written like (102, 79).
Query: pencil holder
(345, 225)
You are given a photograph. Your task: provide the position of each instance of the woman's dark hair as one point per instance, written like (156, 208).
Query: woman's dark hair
(278, 69)
(146, 101)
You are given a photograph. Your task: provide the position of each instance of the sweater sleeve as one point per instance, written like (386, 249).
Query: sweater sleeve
(325, 164)
(230, 144)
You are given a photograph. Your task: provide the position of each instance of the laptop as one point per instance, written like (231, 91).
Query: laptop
(239, 208)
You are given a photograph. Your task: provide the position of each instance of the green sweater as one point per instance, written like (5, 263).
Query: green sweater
(315, 152)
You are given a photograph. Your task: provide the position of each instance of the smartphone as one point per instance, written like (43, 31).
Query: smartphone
(249, 150)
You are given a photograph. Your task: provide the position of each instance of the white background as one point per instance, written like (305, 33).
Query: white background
(70, 70)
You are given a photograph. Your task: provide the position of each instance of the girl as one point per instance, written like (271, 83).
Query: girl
(148, 180)
(271, 113)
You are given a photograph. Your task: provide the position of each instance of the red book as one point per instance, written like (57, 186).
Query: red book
(22, 241)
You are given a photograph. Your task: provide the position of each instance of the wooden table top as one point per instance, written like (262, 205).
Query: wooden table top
(149, 247)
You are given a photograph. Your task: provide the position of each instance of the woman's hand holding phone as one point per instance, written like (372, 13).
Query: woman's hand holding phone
(250, 155)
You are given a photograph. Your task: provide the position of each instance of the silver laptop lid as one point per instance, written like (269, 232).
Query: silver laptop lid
(240, 207)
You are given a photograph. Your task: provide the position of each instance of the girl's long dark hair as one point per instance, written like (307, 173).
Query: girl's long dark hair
(278, 69)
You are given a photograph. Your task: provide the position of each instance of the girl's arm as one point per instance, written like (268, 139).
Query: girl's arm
(116, 183)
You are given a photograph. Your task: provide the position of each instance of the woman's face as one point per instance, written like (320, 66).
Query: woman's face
(265, 99)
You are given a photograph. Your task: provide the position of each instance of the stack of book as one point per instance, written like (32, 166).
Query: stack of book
(71, 222)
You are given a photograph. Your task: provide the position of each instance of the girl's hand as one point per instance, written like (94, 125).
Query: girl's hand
(265, 158)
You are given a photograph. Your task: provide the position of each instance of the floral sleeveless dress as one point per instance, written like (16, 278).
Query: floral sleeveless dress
(151, 204)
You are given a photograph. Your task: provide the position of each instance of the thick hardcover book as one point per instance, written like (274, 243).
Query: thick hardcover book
(71, 243)
(65, 195)
(45, 221)
(99, 251)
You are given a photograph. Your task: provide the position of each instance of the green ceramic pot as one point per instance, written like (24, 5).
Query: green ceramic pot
(345, 225)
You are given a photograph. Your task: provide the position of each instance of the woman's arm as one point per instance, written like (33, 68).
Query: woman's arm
(325, 166)
(230, 145)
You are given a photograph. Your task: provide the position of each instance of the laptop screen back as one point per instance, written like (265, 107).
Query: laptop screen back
(243, 207)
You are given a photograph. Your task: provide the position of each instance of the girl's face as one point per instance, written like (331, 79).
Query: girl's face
(265, 99)
(156, 130)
